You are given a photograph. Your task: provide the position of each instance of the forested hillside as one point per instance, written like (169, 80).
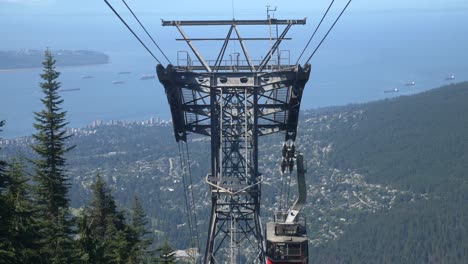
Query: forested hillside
(387, 180)
(418, 143)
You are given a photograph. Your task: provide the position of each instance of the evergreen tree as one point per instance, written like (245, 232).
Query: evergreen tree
(4, 182)
(119, 244)
(51, 182)
(87, 244)
(140, 252)
(3, 177)
(6, 209)
(166, 254)
(93, 225)
(104, 235)
(22, 226)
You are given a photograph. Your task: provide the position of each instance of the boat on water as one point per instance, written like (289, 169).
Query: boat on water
(118, 82)
(147, 77)
(124, 72)
(69, 90)
(450, 77)
(410, 83)
(392, 91)
(87, 77)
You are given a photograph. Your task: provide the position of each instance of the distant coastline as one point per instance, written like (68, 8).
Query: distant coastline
(32, 59)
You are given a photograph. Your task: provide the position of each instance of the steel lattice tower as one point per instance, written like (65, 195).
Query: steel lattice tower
(234, 103)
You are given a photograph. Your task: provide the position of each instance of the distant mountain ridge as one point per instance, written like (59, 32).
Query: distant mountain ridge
(33, 58)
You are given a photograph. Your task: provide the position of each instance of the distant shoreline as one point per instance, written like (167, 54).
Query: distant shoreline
(5, 70)
(32, 59)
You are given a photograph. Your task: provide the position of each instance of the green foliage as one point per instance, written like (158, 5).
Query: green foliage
(5, 208)
(140, 252)
(104, 235)
(18, 242)
(418, 143)
(51, 189)
(22, 227)
(119, 247)
(88, 249)
(99, 225)
(4, 183)
(423, 232)
(50, 123)
(7, 253)
(166, 254)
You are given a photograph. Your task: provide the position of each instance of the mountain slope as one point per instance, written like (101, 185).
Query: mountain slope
(419, 143)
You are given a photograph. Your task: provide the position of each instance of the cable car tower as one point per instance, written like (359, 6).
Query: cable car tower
(234, 102)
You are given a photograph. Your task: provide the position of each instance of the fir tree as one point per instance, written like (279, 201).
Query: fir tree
(87, 243)
(3, 177)
(4, 182)
(93, 225)
(22, 227)
(102, 209)
(51, 182)
(6, 212)
(166, 254)
(119, 244)
(104, 235)
(140, 252)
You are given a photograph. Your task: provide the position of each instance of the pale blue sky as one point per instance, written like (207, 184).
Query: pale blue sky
(220, 8)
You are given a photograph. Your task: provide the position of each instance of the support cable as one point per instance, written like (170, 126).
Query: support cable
(187, 207)
(326, 35)
(316, 29)
(193, 197)
(281, 192)
(147, 33)
(131, 30)
(289, 187)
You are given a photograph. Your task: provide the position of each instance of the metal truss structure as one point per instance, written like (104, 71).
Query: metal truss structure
(234, 103)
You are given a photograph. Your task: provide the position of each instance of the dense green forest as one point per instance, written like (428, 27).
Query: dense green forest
(387, 182)
(418, 143)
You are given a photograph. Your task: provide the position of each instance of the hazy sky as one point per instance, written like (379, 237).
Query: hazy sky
(222, 8)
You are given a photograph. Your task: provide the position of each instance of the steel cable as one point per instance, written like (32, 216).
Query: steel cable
(147, 33)
(326, 35)
(187, 207)
(289, 188)
(131, 30)
(193, 197)
(316, 29)
(281, 192)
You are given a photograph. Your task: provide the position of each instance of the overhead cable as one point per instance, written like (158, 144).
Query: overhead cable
(281, 192)
(129, 28)
(147, 33)
(316, 29)
(187, 201)
(192, 196)
(323, 39)
(289, 188)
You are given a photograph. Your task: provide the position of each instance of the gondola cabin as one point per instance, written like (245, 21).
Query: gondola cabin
(286, 242)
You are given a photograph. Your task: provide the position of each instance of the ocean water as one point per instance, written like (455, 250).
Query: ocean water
(365, 55)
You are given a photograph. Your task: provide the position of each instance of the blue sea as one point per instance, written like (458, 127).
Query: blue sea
(365, 55)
